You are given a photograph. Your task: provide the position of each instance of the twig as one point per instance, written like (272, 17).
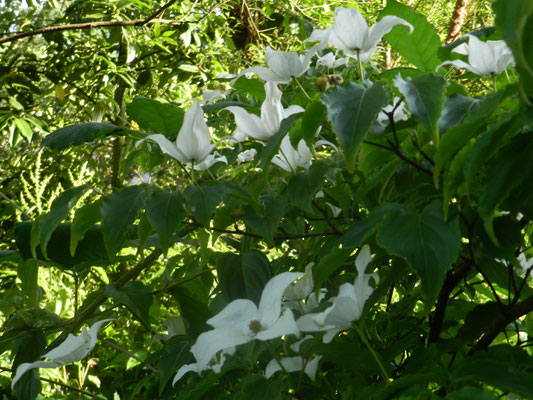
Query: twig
(156, 13)
(116, 346)
(86, 393)
(86, 25)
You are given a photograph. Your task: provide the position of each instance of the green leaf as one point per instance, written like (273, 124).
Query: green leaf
(155, 116)
(330, 263)
(134, 295)
(74, 135)
(507, 172)
(119, 211)
(258, 387)
(58, 212)
(28, 272)
(352, 109)
(303, 186)
(84, 219)
(266, 221)
(165, 212)
(272, 146)
(251, 86)
(425, 240)
(90, 251)
(243, 276)
(192, 300)
(455, 109)
(419, 48)
(425, 99)
(515, 21)
(203, 202)
(24, 128)
(175, 354)
(312, 119)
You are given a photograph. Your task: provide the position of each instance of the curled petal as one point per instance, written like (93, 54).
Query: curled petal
(238, 311)
(250, 124)
(210, 343)
(270, 303)
(208, 161)
(166, 146)
(382, 27)
(22, 368)
(183, 370)
(284, 325)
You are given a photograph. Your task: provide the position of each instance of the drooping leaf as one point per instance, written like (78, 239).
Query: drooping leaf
(266, 220)
(136, 296)
(192, 300)
(260, 388)
(165, 212)
(84, 219)
(119, 210)
(312, 119)
(243, 276)
(425, 99)
(352, 109)
(455, 109)
(425, 240)
(156, 116)
(28, 272)
(74, 135)
(175, 354)
(419, 48)
(58, 212)
(204, 200)
(330, 263)
(303, 186)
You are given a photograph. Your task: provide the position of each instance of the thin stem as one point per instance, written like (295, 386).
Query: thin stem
(24, 213)
(301, 88)
(115, 346)
(361, 72)
(374, 354)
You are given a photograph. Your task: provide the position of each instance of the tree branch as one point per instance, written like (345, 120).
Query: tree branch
(86, 25)
(156, 13)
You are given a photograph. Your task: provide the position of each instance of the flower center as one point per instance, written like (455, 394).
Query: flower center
(255, 326)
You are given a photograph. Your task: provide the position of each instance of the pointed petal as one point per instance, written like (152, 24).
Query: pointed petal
(290, 364)
(166, 146)
(194, 138)
(287, 112)
(208, 161)
(183, 370)
(210, 343)
(93, 330)
(461, 65)
(74, 348)
(309, 323)
(250, 124)
(264, 73)
(22, 368)
(296, 345)
(280, 162)
(363, 259)
(285, 325)
(238, 311)
(319, 35)
(311, 367)
(286, 64)
(344, 311)
(350, 30)
(330, 334)
(270, 303)
(303, 286)
(381, 28)
(463, 48)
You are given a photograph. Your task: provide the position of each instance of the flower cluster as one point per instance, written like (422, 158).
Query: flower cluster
(241, 321)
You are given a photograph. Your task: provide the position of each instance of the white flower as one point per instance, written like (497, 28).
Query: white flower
(350, 32)
(303, 286)
(291, 364)
(74, 348)
(215, 366)
(242, 321)
(330, 62)
(193, 144)
(525, 264)
(283, 65)
(347, 306)
(272, 113)
(290, 158)
(484, 58)
(208, 96)
(247, 155)
(383, 119)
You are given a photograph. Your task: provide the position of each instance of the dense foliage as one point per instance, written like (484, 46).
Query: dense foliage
(344, 221)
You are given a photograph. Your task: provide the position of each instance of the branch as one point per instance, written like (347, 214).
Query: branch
(86, 25)
(511, 314)
(156, 13)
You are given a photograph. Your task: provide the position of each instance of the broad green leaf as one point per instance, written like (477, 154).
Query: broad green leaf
(58, 212)
(28, 272)
(312, 119)
(251, 86)
(515, 21)
(425, 240)
(192, 300)
(258, 387)
(469, 393)
(425, 99)
(84, 219)
(90, 250)
(136, 296)
(330, 263)
(352, 109)
(243, 276)
(266, 221)
(165, 212)
(455, 109)
(303, 186)
(155, 116)
(24, 128)
(203, 202)
(272, 146)
(506, 173)
(175, 354)
(119, 211)
(74, 135)
(28, 347)
(419, 48)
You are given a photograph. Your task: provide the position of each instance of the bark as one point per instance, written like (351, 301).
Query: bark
(458, 19)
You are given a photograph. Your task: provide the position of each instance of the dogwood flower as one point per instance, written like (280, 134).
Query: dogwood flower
(272, 113)
(329, 61)
(74, 348)
(347, 306)
(291, 364)
(283, 66)
(290, 158)
(209, 96)
(242, 321)
(215, 366)
(351, 34)
(193, 144)
(247, 155)
(484, 58)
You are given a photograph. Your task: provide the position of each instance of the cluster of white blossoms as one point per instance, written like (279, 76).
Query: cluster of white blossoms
(242, 321)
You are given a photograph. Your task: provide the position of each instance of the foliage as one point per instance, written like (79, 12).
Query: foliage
(376, 244)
